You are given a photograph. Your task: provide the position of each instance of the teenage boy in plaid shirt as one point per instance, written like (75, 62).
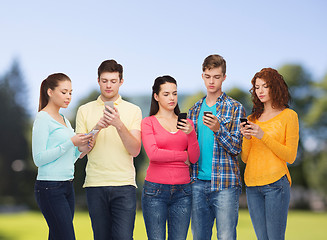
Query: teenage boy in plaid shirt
(216, 176)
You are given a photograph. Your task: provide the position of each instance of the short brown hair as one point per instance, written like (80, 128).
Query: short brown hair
(214, 61)
(110, 66)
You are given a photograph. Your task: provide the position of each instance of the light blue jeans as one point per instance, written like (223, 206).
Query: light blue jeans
(208, 206)
(268, 207)
(165, 203)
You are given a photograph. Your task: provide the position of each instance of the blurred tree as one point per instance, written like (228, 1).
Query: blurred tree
(189, 101)
(14, 148)
(316, 118)
(315, 163)
(300, 85)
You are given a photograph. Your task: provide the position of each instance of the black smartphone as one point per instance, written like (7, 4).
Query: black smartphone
(205, 113)
(244, 120)
(181, 116)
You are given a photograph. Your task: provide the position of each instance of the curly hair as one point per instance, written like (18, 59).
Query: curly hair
(278, 91)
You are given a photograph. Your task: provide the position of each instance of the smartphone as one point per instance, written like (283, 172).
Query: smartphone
(93, 132)
(110, 104)
(181, 116)
(244, 120)
(205, 113)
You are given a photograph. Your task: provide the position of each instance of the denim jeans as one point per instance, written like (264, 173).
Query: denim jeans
(163, 203)
(112, 211)
(208, 206)
(56, 199)
(268, 207)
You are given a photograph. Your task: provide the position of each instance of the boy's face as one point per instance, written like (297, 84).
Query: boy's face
(109, 83)
(213, 79)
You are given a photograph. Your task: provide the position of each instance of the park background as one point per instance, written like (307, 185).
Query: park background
(150, 39)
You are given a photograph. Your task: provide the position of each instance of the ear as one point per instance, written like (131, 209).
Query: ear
(224, 78)
(155, 97)
(49, 92)
(121, 82)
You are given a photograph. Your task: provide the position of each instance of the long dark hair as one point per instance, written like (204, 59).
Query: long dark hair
(52, 81)
(278, 91)
(154, 108)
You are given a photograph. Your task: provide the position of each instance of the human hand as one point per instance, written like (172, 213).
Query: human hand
(255, 130)
(244, 127)
(112, 117)
(81, 139)
(211, 121)
(185, 126)
(102, 124)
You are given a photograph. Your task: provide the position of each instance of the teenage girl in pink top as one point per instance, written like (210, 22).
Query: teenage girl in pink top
(167, 193)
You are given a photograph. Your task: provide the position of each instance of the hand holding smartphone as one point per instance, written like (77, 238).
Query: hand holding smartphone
(244, 120)
(181, 116)
(110, 104)
(205, 113)
(93, 132)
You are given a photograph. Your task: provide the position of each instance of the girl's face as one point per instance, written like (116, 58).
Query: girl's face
(167, 97)
(262, 90)
(62, 94)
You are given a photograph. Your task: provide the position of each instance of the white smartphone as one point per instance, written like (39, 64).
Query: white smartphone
(93, 132)
(110, 104)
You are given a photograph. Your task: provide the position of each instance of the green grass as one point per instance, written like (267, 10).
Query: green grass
(32, 226)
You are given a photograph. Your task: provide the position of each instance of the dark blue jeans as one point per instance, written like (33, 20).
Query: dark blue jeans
(162, 203)
(112, 211)
(56, 199)
(268, 207)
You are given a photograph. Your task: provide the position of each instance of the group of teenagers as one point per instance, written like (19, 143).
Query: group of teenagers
(193, 173)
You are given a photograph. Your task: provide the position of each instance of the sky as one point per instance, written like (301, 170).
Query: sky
(155, 38)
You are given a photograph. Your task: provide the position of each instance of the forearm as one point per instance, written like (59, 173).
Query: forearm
(246, 146)
(49, 155)
(132, 142)
(193, 147)
(285, 152)
(231, 142)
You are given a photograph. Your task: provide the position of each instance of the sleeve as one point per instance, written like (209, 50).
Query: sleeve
(231, 139)
(193, 148)
(136, 123)
(40, 135)
(246, 146)
(77, 152)
(154, 153)
(287, 152)
(80, 122)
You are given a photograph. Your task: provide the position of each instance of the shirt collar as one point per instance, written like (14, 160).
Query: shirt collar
(117, 102)
(221, 98)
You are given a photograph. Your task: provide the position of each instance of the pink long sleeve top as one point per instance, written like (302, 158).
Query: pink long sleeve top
(168, 152)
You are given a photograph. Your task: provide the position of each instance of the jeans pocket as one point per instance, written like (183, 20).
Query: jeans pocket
(279, 183)
(187, 190)
(150, 190)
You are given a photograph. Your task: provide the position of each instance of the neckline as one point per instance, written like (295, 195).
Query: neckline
(66, 126)
(273, 117)
(165, 128)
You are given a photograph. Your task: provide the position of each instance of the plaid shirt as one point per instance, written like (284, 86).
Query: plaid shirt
(227, 143)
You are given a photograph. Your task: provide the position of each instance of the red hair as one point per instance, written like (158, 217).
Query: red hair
(278, 91)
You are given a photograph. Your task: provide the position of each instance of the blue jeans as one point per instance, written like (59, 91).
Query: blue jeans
(56, 199)
(112, 211)
(268, 207)
(207, 205)
(163, 203)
